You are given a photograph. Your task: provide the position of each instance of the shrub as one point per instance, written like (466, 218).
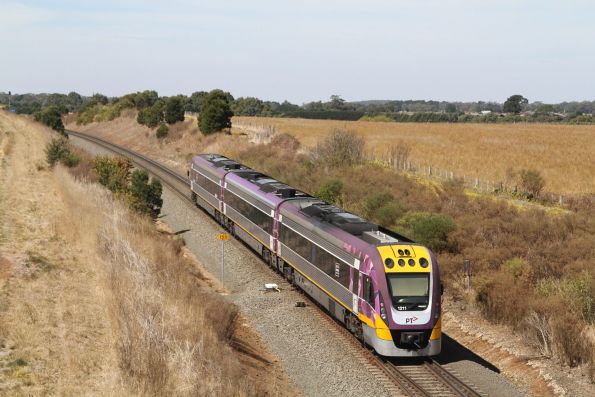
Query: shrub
(145, 196)
(531, 182)
(518, 267)
(58, 150)
(502, 298)
(430, 229)
(162, 131)
(340, 148)
(330, 191)
(113, 172)
(382, 208)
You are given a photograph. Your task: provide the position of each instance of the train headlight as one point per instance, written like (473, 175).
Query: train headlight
(382, 311)
(401, 253)
(411, 262)
(407, 253)
(401, 262)
(423, 262)
(389, 263)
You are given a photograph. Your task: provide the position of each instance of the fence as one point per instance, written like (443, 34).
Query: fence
(397, 157)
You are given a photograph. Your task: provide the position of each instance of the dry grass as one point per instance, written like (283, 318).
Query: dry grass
(98, 302)
(563, 153)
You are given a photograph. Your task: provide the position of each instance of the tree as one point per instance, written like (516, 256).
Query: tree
(248, 107)
(174, 110)
(151, 117)
(196, 101)
(216, 112)
(52, 117)
(514, 104)
(75, 101)
(145, 196)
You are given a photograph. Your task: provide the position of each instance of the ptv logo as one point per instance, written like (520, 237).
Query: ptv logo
(410, 320)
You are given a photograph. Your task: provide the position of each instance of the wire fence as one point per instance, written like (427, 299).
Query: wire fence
(397, 158)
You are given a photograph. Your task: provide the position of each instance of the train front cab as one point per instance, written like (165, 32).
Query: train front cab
(413, 304)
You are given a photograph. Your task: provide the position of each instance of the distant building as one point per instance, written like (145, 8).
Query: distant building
(484, 112)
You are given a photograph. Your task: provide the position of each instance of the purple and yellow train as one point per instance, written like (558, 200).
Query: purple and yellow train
(382, 286)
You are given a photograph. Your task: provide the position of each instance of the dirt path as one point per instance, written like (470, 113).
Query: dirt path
(54, 336)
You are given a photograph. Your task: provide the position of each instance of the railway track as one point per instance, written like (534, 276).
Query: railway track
(426, 379)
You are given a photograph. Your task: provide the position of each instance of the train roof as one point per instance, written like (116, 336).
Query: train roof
(306, 205)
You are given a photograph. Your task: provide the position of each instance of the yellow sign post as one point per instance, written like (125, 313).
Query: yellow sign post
(223, 237)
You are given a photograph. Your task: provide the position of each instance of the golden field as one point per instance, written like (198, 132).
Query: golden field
(564, 154)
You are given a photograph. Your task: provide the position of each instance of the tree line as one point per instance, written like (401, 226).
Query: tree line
(155, 110)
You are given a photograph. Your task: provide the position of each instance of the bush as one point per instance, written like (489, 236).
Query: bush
(331, 191)
(531, 182)
(382, 208)
(58, 150)
(145, 196)
(113, 172)
(340, 148)
(162, 131)
(430, 229)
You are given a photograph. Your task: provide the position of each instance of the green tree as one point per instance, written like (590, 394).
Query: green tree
(75, 101)
(174, 110)
(151, 117)
(248, 107)
(216, 112)
(196, 101)
(514, 104)
(144, 196)
(52, 117)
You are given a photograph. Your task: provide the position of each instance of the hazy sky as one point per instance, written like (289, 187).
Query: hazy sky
(302, 50)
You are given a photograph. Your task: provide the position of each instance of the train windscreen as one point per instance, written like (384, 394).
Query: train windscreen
(410, 291)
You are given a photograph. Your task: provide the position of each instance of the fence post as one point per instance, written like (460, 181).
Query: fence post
(561, 200)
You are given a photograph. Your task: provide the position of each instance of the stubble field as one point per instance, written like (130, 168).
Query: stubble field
(564, 154)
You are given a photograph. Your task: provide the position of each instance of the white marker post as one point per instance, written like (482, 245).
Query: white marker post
(223, 237)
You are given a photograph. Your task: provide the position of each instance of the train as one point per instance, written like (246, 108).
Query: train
(383, 287)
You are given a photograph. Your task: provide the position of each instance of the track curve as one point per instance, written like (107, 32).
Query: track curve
(427, 379)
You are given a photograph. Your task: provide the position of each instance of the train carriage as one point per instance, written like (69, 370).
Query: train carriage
(382, 286)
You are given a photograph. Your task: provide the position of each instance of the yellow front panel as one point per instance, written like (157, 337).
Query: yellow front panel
(416, 253)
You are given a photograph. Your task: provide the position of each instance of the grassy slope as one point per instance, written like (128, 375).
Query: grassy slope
(85, 306)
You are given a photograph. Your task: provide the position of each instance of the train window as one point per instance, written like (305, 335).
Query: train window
(256, 216)
(324, 261)
(296, 242)
(207, 184)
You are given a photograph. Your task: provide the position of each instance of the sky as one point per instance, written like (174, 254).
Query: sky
(301, 51)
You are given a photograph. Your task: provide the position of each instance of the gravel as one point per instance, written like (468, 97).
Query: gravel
(318, 363)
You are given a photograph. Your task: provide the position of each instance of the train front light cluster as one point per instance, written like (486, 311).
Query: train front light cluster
(423, 262)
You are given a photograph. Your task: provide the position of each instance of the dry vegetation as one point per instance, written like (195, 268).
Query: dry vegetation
(94, 300)
(533, 271)
(562, 153)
